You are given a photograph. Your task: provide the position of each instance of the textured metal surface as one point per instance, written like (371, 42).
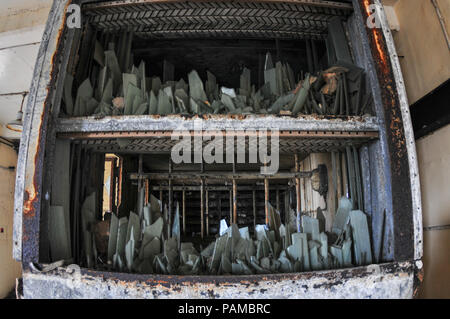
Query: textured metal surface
(225, 19)
(216, 122)
(394, 280)
(32, 145)
(409, 134)
(316, 144)
(397, 143)
(153, 133)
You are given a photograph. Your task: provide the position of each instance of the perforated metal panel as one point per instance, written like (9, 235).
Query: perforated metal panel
(148, 19)
(289, 142)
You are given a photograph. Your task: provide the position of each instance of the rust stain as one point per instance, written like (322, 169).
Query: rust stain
(389, 95)
(378, 41)
(31, 196)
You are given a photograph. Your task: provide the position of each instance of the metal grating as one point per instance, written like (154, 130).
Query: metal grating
(192, 19)
(289, 142)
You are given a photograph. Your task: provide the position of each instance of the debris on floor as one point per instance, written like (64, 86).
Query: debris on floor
(144, 243)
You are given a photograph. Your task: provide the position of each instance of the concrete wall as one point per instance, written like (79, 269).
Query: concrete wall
(9, 269)
(425, 57)
(434, 165)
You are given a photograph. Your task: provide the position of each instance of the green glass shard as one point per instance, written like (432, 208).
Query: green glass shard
(122, 236)
(196, 90)
(311, 227)
(153, 103)
(342, 215)
(59, 244)
(164, 105)
(361, 238)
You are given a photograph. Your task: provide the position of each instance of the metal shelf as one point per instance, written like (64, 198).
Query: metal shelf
(170, 19)
(152, 134)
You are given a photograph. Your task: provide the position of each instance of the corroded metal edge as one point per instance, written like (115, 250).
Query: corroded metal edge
(409, 134)
(27, 181)
(215, 122)
(392, 280)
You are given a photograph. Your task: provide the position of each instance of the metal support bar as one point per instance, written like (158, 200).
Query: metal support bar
(202, 208)
(231, 206)
(184, 212)
(297, 193)
(207, 213)
(220, 175)
(216, 188)
(234, 195)
(254, 209)
(170, 196)
(266, 199)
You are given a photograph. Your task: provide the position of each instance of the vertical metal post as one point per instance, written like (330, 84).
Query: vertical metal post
(234, 196)
(170, 198)
(207, 213)
(184, 212)
(202, 199)
(254, 209)
(266, 199)
(266, 195)
(231, 207)
(147, 192)
(297, 193)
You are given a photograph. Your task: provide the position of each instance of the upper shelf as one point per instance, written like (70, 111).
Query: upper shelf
(175, 19)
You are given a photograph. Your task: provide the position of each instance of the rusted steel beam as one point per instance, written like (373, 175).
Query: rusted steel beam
(28, 188)
(399, 139)
(147, 191)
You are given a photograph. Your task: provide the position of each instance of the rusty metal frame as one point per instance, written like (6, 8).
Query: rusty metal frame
(154, 124)
(396, 136)
(391, 280)
(28, 189)
(357, 282)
